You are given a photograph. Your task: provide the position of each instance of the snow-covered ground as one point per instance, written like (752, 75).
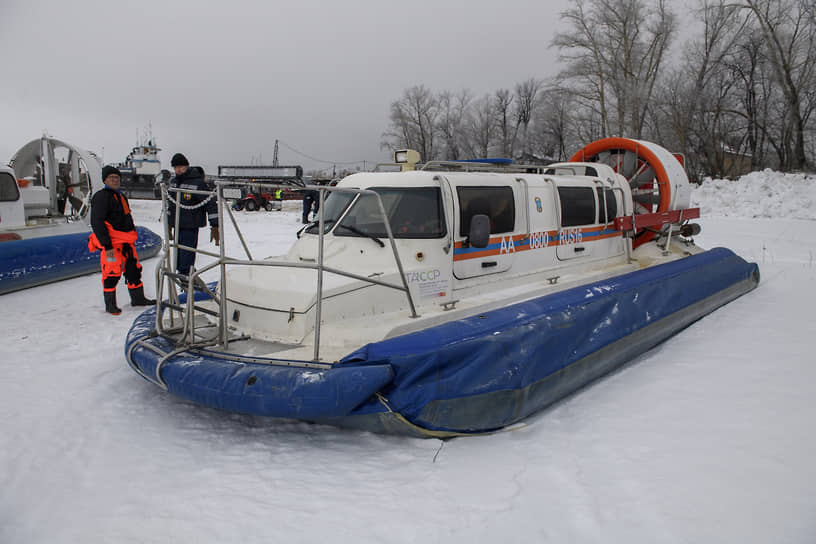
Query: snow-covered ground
(710, 437)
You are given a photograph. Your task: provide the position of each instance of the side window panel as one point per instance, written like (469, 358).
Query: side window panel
(8, 188)
(577, 206)
(577, 170)
(495, 202)
(611, 205)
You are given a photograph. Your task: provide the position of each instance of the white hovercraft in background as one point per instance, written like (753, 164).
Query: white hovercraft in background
(45, 196)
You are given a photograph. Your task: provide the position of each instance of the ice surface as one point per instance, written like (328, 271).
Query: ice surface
(707, 438)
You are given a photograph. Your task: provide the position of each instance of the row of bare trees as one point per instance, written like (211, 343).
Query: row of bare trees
(742, 85)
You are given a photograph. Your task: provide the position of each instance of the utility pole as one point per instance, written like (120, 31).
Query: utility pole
(275, 156)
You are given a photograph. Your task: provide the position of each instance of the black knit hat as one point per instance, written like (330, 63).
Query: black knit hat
(179, 160)
(108, 170)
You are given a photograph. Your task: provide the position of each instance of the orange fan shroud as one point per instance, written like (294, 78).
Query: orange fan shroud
(663, 186)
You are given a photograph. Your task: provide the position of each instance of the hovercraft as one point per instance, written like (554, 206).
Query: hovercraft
(44, 202)
(457, 298)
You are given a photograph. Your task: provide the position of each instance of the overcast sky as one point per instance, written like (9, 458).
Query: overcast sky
(221, 81)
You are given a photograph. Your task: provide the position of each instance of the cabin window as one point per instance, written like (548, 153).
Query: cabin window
(577, 170)
(607, 194)
(8, 188)
(495, 202)
(413, 212)
(577, 206)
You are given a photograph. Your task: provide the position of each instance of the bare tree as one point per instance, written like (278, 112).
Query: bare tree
(615, 50)
(745, 87)
(748, 67)
(502, 102)
(702, 108)
(789, 28)
(585, 56)
(553, 124)
(414, 122)
(482, 128)
(454, 112)
(636, 56)
(525, 100)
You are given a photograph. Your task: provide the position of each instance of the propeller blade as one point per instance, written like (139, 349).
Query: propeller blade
(628, 164)
(645, 174)
(646, 198)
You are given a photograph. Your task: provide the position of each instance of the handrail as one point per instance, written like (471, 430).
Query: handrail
(319, 309)
(526, 206)
(557, 205)
(475, 166)
(167, 269)
(222, 324)
(444, 184)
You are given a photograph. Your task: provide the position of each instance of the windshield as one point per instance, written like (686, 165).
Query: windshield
(414, 212)
(333, 207)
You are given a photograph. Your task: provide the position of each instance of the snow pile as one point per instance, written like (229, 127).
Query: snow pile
(765, 194)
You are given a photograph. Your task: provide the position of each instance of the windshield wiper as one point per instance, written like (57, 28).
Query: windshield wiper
(327, 223)
(357, 231)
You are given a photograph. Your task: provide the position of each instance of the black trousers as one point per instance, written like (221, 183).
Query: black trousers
(186, 259)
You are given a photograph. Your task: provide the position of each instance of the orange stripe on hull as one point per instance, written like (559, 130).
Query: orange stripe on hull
(589, 235)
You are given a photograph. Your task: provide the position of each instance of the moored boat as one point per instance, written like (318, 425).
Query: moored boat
(141, 171)
(45, 197)
(455, 299)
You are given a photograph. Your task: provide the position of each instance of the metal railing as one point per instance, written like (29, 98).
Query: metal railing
(187, 332)
(476, 166)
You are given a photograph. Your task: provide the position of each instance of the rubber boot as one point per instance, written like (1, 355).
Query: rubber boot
(110, 303)
(137, 297)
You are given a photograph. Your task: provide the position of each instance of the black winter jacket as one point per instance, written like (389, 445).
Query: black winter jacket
(197, 217)
(106, 206)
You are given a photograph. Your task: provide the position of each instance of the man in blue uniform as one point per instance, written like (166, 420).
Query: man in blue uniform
(195, 210)
(311, 202)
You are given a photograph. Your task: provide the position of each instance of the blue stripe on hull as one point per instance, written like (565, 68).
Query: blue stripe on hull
(36, 261)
